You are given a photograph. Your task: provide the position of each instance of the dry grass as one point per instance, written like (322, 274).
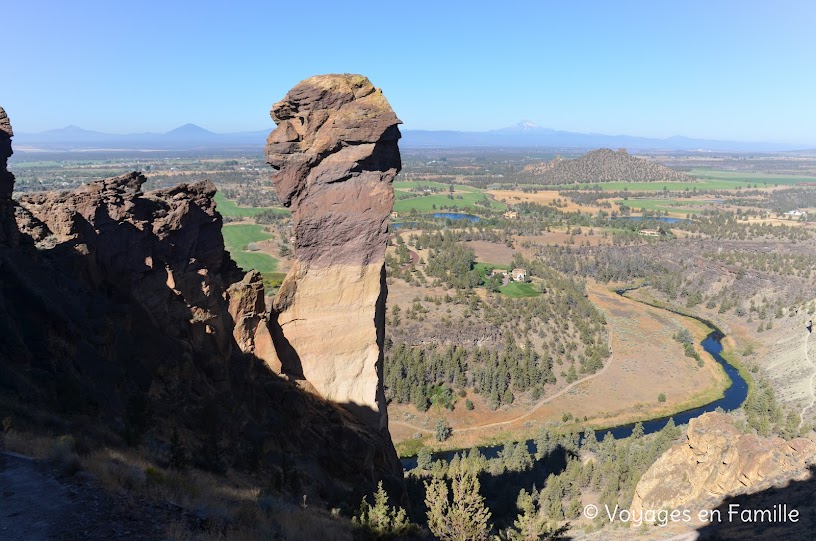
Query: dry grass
(232, 507)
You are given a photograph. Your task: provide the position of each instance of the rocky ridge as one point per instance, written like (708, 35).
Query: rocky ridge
(335, 151)
(602, 165)
(717, 461)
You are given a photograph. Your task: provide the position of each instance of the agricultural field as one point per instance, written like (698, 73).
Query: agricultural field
(464, 198)
(518, 290)
(229, 208)
(236, 239)
(708, 179)
(677, 207)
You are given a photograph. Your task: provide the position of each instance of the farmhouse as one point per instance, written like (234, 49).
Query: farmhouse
(510, 215)
(519, 275)
(650, 232)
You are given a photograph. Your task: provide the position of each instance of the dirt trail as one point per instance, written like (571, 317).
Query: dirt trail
(37, 505)
(535, 407)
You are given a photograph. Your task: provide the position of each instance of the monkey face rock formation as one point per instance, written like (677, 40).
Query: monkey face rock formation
(335, 151)
(716, 461)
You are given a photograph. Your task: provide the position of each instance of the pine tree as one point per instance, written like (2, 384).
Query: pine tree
(178, 454)
(382, 521)
(466, 518)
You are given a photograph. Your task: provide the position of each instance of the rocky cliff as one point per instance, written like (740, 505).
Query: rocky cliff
(335, 151)
(6, 133)
(114, 300)
(716, 461)
(8, 229)
(602, 165)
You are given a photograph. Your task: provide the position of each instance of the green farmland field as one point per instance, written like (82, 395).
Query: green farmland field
(708, 179)
(519, 290)
(236, 237)
(425, 204)
(229, 208)
(677, 206)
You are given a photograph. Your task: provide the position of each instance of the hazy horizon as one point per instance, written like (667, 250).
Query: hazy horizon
(729, 71)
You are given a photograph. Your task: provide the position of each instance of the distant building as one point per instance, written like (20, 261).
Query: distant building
(519, 275)
(497, 272)
(395, 214)
(510, 215)
(795, 213)
(650, 232)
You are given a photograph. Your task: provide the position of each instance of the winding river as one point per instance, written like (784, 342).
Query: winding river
(732, 398)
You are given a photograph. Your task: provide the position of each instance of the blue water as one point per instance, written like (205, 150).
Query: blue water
(732, 399)
(444, 215)
(456, 216)
(653, 218)
(400, 225)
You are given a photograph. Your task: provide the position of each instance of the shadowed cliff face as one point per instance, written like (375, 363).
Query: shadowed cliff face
(336, 154)
(8, 229)
(6, 178)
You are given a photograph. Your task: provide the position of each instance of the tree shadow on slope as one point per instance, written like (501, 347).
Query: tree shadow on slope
(768, 514)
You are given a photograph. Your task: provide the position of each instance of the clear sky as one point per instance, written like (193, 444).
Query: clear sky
(742, 70)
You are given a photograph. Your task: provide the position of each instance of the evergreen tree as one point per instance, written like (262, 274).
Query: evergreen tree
(466, 518)
(382, 521)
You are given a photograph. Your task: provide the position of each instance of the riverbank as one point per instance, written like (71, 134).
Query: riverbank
(645, 358)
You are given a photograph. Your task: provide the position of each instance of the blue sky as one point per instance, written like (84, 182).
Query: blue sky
(730, 70)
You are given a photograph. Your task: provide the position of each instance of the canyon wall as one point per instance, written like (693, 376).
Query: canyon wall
(717, 461)
(336, 155)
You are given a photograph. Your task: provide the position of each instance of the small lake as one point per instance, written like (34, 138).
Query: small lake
(472, 218)
(665, 219)
(456, 216)
(733, 397)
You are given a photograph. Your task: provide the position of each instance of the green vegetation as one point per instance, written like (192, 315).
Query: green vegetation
(428, 197)
(238, 237)
(467, 201)
(381, 521)
(677, 206)
(708, 179)
(744, 177)
(230, 209)
(519, 290)
(406, 185)
(557, 468)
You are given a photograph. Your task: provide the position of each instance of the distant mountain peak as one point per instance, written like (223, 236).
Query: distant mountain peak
(190, 129)
(525, 126)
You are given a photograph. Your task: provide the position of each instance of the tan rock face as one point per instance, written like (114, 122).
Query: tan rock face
(717, 460)
(336, 153)
(248, 310)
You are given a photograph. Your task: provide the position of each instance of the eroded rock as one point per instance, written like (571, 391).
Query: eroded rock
(716, 461)
(335, 149)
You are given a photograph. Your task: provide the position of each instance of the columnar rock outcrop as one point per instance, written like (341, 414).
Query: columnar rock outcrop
(716, 461)
(335, 149)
